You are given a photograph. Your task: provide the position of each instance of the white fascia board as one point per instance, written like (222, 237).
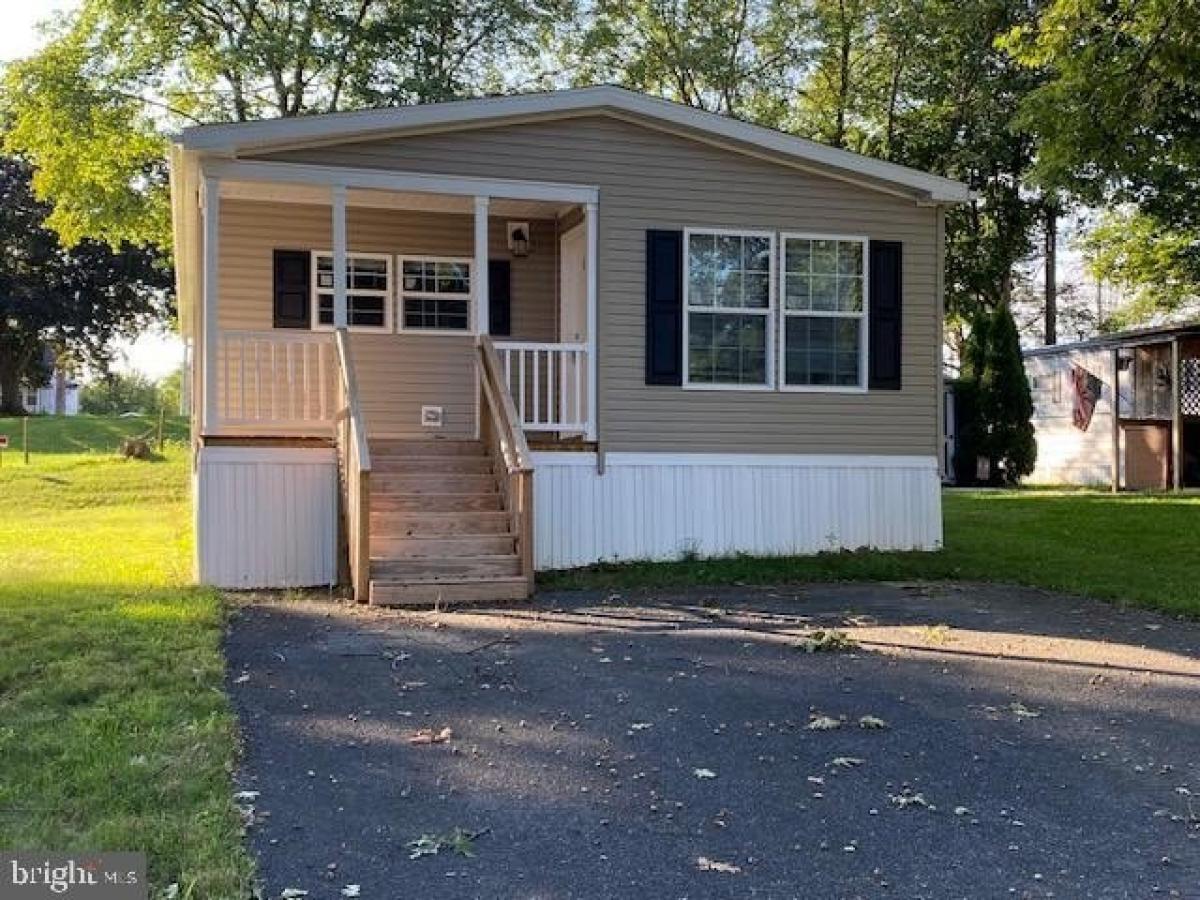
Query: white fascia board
(386, 180)
(249, 137)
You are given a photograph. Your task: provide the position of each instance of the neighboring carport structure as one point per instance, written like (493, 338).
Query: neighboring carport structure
(1150, 439)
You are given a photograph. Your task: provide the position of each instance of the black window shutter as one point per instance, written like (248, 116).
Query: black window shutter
(664, 307)
(499, 297)
(884, 350)
(291, 308)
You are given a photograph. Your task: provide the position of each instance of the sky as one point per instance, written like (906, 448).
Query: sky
(156, 353)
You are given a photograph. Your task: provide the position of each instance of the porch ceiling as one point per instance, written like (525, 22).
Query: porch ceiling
(378, 199)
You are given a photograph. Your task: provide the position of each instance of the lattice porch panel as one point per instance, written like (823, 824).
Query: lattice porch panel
(1189, 386)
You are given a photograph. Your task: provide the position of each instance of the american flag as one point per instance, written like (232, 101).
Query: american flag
(1087, 392)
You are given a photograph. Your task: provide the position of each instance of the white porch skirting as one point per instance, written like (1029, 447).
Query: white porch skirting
(266, 517)
(663, 505)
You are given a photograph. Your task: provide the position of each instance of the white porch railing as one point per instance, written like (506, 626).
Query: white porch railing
(548, 384)
(277, 379)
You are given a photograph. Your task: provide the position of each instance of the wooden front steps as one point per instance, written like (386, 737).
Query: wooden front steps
(439, 531)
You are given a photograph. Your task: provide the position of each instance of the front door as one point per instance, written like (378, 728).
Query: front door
(572, 277)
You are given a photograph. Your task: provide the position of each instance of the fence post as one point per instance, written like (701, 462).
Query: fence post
(25, 438)
(161, 412)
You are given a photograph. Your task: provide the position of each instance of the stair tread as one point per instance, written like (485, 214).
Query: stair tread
(396, 580)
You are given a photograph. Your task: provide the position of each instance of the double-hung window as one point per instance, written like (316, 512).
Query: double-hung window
(729, 297)
(368, 290)
(435, 294)
(824, 313)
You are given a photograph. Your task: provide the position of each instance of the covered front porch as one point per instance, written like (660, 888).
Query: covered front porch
(416, 270)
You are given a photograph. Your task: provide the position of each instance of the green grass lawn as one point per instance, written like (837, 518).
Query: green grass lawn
(56, 435)
(115, 730)
(1140, 549)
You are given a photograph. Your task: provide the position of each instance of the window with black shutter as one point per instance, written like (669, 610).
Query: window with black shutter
(664, 307)
(886, 322)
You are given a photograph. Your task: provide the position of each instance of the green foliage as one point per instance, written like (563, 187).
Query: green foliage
(76, 301)
(1156, 266)
(92, 108)
(997, 406)
(1115, 118)
(120, 392)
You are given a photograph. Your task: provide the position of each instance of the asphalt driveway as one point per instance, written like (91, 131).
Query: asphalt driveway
(684, 745)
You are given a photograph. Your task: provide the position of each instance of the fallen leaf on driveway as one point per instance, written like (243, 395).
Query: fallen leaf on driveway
(429, 736)
(458, 840)
(827, 642)
(907, 799)
(245, 796)
(871, 722)
(824, 723)
(352, 890)
(242, 679)
(704, 773)
(641, 726)
(846, 762)
(704, 864)
(1021, 711)
(292, 894)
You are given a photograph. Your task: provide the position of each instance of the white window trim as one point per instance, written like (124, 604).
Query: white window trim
(768, 313)
(863, 317)
(315, 313)
(401, 294)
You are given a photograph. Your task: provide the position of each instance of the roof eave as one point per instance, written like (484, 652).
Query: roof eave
(256, 137)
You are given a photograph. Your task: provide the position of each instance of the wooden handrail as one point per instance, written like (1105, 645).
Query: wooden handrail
(506, 415)
(354, 465)
(350, 386)
(508, 438)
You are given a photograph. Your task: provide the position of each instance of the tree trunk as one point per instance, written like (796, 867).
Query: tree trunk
(1051, 274)
(10, 389)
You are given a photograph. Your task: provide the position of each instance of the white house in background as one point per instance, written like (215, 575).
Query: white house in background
(58, 397)
(441, 347)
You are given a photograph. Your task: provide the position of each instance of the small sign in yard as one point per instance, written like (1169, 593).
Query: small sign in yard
(3, 446)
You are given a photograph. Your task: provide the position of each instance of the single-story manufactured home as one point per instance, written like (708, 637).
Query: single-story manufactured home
(440, 347)
(1148, 439)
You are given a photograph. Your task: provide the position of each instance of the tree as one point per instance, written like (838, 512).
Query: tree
(1115, 119)
(735, 57)
(92, 109)
(1153, 263)
(170, 392)
(76, 301)
(997, 404)
(118, 393)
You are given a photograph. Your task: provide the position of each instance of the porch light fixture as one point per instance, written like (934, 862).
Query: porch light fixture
(518, 238)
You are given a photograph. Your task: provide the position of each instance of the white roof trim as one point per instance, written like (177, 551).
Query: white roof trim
(245, 137)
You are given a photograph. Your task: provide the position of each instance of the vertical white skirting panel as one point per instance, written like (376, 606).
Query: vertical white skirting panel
(266, 517)
(662, 506)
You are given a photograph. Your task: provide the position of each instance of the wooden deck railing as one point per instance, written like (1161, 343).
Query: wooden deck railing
(354, 467)
(548, 383)
(501, 431)
(276, 380)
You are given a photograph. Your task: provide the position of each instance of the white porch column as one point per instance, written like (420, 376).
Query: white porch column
(592, 266)
(340, 317)
(480, 275)
(211, 205)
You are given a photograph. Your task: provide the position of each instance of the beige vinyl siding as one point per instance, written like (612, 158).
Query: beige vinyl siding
(397, 373)
(651, 179)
